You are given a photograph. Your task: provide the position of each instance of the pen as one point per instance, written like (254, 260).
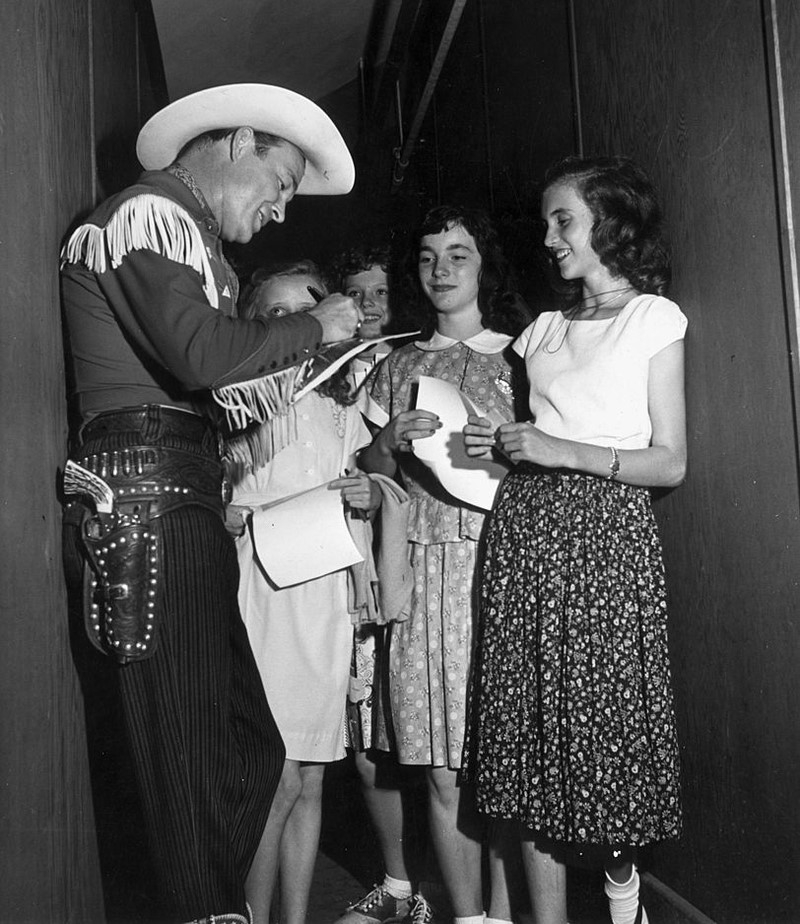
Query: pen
(315, 294)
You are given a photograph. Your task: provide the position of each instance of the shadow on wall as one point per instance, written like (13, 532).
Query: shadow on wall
(117, 166)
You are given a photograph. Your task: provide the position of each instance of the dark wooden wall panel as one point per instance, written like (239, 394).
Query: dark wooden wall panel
(116, 96)
(48, 863)
(48, 853)
(684, 90)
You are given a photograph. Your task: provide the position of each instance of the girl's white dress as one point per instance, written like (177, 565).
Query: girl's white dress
(302, 636)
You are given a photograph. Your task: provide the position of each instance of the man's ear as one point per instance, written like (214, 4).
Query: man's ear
(242, 139)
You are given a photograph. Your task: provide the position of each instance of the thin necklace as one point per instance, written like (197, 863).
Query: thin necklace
(569, 316)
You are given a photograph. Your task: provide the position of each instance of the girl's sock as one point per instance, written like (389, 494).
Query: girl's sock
(397, 888)
(623, 900)
(470, 919)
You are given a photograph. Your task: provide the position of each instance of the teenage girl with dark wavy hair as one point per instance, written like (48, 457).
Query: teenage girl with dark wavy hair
(469, 315)
(500, 307)
(572, 733)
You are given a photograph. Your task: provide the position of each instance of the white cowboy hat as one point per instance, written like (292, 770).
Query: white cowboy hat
(329, 166)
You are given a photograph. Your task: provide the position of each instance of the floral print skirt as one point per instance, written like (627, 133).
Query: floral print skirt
(571, 728)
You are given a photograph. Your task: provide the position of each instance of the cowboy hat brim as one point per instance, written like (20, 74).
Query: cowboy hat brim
(329, 166)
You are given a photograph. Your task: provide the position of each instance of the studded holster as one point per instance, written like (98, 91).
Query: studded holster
(123, 548)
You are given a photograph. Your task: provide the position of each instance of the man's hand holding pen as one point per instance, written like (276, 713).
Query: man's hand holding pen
(338, 314)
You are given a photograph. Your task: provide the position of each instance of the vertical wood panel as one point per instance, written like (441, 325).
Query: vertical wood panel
(48, 864)
(48, 854)
(684, 90)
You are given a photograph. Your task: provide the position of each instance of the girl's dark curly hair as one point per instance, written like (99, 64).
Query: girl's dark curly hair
(337, 386)
(627, 234)
(363, 257)
(501, 307)
(359, 259)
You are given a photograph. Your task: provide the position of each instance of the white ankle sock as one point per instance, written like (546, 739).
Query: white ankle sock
(470, 919)
(623, 899)
(397, 888)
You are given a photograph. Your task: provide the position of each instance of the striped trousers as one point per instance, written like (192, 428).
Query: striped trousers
(206, 749)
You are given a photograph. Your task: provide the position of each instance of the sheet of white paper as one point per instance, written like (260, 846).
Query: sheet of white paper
(474, 481)
(303, 537)
(328, 371)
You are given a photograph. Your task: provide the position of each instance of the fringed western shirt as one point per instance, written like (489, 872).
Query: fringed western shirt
(149, 304)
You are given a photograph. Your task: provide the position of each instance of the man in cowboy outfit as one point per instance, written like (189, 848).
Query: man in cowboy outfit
(156, 352)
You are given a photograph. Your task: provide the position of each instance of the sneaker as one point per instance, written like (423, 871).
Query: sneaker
(379, 907)
(420, 912)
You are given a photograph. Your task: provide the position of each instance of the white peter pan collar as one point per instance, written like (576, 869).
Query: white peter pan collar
(486, 341)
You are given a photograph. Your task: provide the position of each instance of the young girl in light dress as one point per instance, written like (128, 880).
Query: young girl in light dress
(469, 318)
(572, 733)
(302, 635)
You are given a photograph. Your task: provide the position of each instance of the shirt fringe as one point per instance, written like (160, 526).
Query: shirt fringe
(144, 222)
(246, 452)
(260, 399)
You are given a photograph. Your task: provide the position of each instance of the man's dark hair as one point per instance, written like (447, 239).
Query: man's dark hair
(263, 141)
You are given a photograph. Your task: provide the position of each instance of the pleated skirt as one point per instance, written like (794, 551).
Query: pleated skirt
(571, 728)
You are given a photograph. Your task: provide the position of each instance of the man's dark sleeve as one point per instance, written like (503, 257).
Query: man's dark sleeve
(162, 307)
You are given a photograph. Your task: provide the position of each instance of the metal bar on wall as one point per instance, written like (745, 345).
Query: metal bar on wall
(576, 86)
(404, 26)
(449, 31)
(784, 182)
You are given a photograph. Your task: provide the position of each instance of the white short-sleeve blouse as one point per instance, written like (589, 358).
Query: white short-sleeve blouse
(588, 379)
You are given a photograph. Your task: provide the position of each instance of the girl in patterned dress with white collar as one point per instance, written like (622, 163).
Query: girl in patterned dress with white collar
(469, 317)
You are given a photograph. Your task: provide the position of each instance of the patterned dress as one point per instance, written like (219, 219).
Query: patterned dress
(571, 720)
(430, 654)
